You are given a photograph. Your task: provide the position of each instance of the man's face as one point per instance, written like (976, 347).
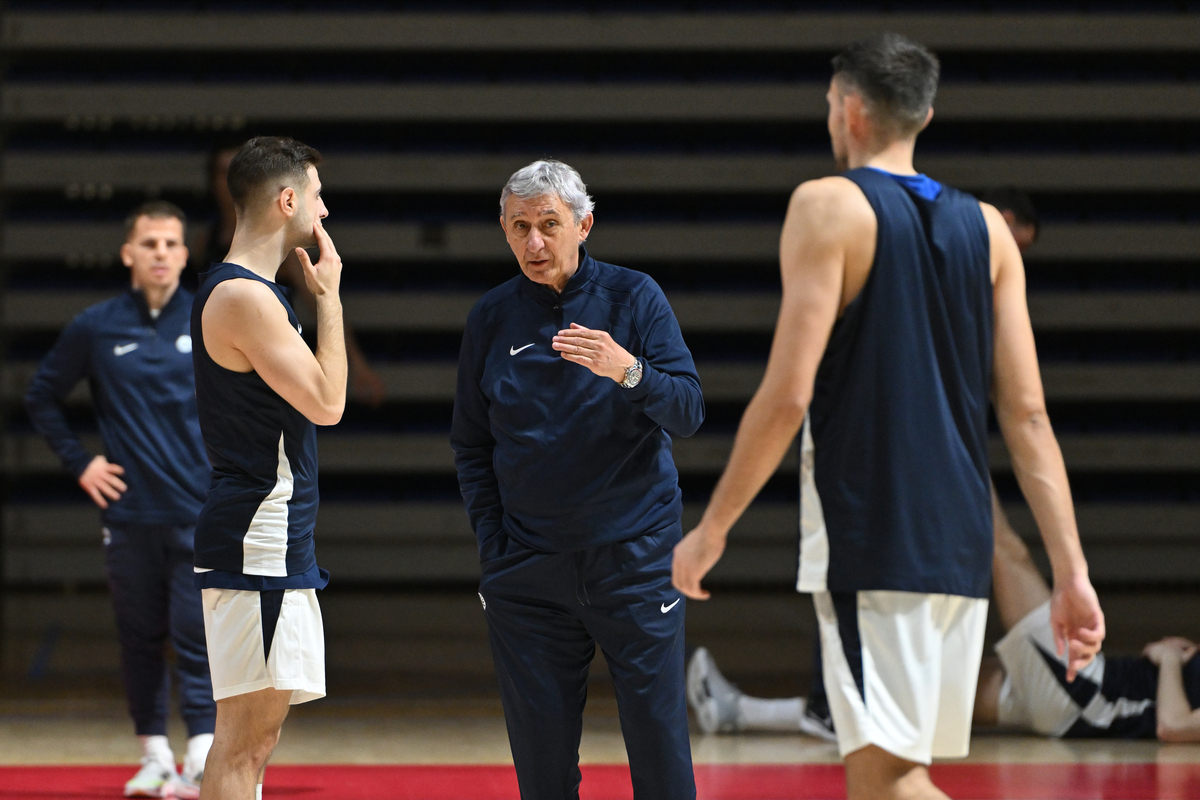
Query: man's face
(545, 238)
(155, 253)
(838, 132)
(1024, 233)
(310, 207)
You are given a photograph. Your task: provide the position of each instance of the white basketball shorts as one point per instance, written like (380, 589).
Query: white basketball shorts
(901, 670)
(265, 640)
(1034, 695)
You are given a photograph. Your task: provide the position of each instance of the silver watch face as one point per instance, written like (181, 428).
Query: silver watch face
(633, 375)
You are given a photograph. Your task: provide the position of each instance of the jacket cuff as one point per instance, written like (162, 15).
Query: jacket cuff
(650, 378)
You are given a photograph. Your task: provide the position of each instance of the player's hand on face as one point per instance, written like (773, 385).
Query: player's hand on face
(324, 277)
(1157, 651)
(694, 556)
(1077, 621)
(102, 482)
(595, 350)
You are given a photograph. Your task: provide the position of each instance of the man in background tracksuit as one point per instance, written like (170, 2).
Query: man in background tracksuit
(136, 353)
(573, 377)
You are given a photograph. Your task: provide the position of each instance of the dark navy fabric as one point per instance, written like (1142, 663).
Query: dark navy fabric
(139, 370)
(899, 410)
(242, 419)
(555, 456)
(149, 570)
(1128, 683)
(546, 613)
(921, 185)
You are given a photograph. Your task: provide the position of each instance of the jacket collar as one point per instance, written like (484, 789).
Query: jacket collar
(546, 296)
(139, 301)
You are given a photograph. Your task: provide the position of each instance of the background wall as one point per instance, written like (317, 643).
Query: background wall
(691, 123)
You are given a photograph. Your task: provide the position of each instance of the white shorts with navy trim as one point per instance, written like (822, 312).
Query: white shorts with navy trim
(901, 670)
(265, 640)
(1036, 696)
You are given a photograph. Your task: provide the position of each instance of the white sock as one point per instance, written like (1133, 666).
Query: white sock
(197, 752)
(760, 714)
(258, 792)
(157, 748)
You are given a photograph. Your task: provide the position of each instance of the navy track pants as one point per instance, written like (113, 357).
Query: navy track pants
(155, 599)
(546, 613)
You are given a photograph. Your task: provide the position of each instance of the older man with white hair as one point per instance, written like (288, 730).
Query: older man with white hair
(572, 379)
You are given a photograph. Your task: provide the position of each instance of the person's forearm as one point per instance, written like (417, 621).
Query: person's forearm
(331, 349)
(673, 401)
(764, 435)
(1173, 711)
(1040, 471)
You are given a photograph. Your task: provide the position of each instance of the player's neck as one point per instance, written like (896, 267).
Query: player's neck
(895, 157)
(261, 252)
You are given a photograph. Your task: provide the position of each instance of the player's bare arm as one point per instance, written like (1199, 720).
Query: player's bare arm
(1037, 460)
(1176, 720)
(247, 329)
(826, 249)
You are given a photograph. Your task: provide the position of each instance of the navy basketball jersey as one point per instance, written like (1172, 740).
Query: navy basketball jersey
(894, 452)
(255, 531)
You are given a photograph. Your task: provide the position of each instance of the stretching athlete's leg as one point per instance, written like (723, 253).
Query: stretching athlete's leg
(1017, 583)
(247, 731)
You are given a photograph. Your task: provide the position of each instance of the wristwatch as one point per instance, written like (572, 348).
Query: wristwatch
(633, 374)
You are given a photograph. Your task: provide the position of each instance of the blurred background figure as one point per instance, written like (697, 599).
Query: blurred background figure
(135, 351)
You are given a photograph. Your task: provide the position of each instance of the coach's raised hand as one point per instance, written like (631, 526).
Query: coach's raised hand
(595, 350)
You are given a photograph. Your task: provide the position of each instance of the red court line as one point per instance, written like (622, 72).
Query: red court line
(611, 782)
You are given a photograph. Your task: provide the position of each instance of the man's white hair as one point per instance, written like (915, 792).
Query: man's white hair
(549, 177)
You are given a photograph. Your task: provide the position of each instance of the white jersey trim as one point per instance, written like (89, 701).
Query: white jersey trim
(813, 566)
(264, 547)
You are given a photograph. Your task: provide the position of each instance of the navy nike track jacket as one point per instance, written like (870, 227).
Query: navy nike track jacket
(144, 392)
(558, 457)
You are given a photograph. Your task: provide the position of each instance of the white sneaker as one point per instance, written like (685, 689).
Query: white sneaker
(185, 786)
(154, 779)
(714, 699)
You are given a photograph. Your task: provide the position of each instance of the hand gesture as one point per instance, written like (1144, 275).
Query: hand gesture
(595, 350)
(1077, 622)
(100, 480)
(325, 276)
(695, 555)
(1156, 651)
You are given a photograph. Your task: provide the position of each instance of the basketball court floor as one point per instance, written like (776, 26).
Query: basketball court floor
(425, 723)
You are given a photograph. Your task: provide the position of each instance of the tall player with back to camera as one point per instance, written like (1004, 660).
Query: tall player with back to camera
(261, 392)
(903, 310)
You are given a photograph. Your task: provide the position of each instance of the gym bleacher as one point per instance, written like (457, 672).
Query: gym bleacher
(691, 122)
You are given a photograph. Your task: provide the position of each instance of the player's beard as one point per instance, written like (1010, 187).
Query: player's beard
(301, 229)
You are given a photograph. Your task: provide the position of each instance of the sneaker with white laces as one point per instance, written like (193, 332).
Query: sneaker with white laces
(154, 779)
(714, 699)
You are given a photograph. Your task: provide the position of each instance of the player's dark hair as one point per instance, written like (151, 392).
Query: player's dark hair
(1010, 198)
(155, 209)
(267, 160)
(896, 76)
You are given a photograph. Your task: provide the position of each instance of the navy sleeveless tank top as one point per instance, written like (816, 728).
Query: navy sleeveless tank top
(894, 452)
(255, 531)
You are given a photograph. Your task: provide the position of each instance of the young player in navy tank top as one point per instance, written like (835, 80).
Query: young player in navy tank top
(903, 309)
(260, 393)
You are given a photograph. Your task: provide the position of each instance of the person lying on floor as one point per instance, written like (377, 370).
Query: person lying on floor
(1154, 695)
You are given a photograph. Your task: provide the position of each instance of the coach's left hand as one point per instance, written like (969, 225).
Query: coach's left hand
(595, 350)
(694, 556)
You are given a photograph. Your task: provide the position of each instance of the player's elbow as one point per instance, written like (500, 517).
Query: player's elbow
(329, 412)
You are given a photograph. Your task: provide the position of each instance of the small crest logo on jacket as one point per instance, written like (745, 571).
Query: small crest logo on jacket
(184, 344)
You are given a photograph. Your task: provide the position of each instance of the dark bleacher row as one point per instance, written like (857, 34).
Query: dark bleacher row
(691, 122)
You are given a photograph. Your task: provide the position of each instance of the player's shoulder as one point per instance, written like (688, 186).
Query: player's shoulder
(243, 300)
(831, 205)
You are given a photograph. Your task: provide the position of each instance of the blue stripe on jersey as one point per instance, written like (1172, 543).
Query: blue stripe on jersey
(894, 451)
(256, 528)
